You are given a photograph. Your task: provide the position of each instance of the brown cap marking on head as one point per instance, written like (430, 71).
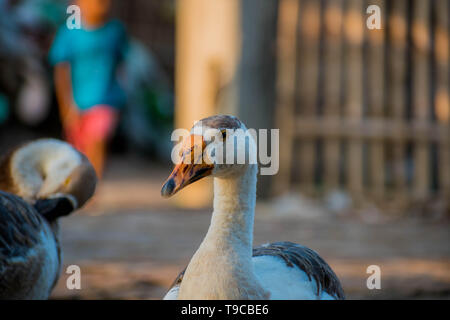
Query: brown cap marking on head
(222, 122)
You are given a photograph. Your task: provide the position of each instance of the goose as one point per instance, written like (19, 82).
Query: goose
(225, 267)
(40, 182)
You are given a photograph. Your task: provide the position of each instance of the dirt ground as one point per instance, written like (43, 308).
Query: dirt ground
(131, 244)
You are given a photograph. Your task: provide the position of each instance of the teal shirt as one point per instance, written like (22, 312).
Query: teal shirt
(94, 56)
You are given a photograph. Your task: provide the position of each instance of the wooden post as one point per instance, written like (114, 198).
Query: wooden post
(354, 34)
(442, 100)
(420, 94)
(286, 62)
(207, 41)
(307, 85)
(375, 97)
(332, 88)
(397, 36)
(257, 72)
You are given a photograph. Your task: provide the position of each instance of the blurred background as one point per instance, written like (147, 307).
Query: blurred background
(364, 119)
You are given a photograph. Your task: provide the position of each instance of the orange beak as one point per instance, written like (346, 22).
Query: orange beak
(191, 168)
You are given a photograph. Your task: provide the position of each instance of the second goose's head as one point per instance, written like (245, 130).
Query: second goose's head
(219, 146)
(48, 169)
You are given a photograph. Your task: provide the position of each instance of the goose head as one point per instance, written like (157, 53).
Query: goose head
(220, 146)
(48, 169)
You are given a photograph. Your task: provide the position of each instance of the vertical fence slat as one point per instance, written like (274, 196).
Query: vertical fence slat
(396, 102)
(442, 103)
(307, 84)
(332, 86)
(376, 100)
(420, 93)
(286, 61)
(354, 34)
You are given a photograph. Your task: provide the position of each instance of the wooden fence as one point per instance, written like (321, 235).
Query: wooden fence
(364, 110)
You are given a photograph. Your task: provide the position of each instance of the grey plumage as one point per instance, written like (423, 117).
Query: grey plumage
(21, 250)
(307, 260)
(20, 225)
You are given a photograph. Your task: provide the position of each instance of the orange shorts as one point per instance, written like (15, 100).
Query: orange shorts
(92, 126)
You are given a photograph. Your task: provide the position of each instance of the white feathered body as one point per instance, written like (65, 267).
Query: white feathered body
(278, 282)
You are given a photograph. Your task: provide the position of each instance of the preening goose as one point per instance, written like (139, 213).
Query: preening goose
(225, 266)
(39, 182)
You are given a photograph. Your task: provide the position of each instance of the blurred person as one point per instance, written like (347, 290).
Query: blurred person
(86, 64)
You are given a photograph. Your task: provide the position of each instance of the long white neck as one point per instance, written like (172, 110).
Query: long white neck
(222, 266)
(234, 210)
